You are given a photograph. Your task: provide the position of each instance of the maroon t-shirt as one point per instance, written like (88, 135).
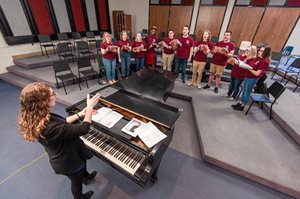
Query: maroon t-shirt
(219, 58)
(168, 51)
(257, 64)
(149, 40)
(200, 56)
(122, 43)
(109, 55)
(239, 72)
(183, 51)
(141, 54)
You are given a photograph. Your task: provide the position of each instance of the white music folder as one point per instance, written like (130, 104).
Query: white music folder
(150, 134)
(107, 117)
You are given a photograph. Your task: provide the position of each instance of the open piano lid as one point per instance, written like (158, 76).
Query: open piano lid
(151, 83)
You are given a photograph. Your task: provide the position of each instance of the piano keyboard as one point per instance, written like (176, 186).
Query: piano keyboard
(114, 150)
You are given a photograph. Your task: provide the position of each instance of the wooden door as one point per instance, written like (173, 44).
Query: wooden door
(276, 26)
(159, 17)
(128, 23)
(244, 23)
(209, 18)
(179, 17)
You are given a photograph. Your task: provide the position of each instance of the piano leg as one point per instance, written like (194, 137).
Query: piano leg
(154, 178)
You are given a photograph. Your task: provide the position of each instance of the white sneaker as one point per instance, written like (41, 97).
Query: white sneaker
(226, 95)
(230, 98)
(199, 86)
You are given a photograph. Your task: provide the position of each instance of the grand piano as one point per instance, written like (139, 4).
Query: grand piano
(140, 96)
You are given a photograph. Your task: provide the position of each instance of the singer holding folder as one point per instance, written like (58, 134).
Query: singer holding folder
(108, 51)
(59, 136)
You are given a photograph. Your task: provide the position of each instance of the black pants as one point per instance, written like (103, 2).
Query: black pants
(76, 182)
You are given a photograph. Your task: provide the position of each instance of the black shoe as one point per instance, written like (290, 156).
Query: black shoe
(206, 86)
(236, 105)
(239, 108)
(89, 177)
(183, 81)
(87, 195)
(216, 90)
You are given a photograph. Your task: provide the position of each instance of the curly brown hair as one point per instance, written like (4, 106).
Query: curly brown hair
(34, 110)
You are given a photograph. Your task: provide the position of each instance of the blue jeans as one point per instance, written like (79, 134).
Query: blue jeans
(110, 68)
(183, 63)
(139, 63)
(247, 89)
(125, 63)
(234, 86)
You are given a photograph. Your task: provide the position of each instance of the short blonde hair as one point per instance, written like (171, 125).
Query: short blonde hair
(137, 36)
(252, 52)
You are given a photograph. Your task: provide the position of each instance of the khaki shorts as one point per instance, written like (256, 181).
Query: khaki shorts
(217, 69)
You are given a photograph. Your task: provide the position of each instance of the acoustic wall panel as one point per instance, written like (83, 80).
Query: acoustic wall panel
(103, 14)
(90, 9)
(61, 14)
(16, 18)
(78, 16)
(41, 16)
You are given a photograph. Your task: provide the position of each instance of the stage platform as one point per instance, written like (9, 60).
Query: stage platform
(38, 60)
(252, 146)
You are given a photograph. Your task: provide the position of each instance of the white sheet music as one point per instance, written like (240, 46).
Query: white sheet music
(107, 117)
(150, 134)
(130, 127)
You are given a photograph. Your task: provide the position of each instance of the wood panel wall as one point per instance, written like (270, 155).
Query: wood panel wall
(209, 17)
(159, 17)
(276, 26)
(179, 17)
(244, 23)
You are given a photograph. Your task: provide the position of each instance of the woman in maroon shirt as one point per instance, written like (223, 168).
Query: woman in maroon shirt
(124, 48)
(108, 51)
(237, 73)
(201, 49)
(260, 66)
(139, 49)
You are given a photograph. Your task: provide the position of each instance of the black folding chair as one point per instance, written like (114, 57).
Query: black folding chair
(76, 37)
(45, 42)
(275, 90)
(86, 69)
(63, 72)
(90, 38)
(65, 51)
(98, 44)
(83, 49)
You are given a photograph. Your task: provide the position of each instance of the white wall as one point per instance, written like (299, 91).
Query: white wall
(6, 52)
(138, 9)
(294, 39)
(226, 18)
(194, 17)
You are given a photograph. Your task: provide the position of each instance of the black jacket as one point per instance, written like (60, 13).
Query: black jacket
(65, 149)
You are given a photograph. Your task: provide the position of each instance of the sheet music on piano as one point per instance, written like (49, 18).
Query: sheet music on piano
(149, 134)
(107, 117)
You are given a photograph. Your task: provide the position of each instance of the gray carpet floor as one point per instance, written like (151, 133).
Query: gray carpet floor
(26, 173)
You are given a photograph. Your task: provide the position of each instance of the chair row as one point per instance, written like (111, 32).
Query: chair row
(45, 40)
(63, 72)
(290, 70)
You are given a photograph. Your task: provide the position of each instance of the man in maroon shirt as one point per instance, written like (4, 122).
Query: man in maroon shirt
(222, 51)
(184, 51)
(168, 52)
(151, 41)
